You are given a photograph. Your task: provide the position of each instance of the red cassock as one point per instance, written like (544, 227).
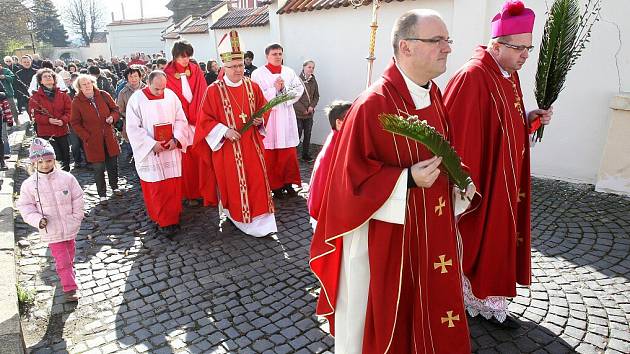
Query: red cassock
(197, 82)
(320, 175)
(415, 302)
(238, 167)
(491, 135)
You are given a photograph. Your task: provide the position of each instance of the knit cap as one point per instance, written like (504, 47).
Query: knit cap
(40, 149)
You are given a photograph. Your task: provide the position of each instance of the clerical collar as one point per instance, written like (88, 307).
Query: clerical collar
(147, 92)
(419, 94)
(503, 72)
(230, 83)
(274, 69)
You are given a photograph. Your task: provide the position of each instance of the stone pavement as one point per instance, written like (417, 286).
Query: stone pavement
(214, 290)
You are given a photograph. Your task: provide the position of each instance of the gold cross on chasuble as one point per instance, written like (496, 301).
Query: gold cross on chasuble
(243, 117)
(442, 264)
(438, 208)
(450, 318)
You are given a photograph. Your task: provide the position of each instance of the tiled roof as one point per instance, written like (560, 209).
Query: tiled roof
(174, 30)
(139, 21)
(214, 8)
(199, 26)
(243, 18)
(311, 5)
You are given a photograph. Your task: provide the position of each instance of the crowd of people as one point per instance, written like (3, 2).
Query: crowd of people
(400, 252)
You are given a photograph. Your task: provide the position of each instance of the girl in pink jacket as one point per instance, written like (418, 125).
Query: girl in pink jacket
(52, 200)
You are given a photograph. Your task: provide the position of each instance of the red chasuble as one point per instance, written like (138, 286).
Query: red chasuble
(415, 302)
(238, 167)
(491, 134)
(190, 169)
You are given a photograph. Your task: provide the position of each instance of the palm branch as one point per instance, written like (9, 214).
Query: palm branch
(266, 108)
(565, 36)
(413, 128)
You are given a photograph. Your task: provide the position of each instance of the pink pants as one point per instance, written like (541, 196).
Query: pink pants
(64, 259)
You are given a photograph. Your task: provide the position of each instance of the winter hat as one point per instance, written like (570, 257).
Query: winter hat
(40, 149)
(514, 18)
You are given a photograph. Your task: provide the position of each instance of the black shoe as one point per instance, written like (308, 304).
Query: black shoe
(290, 191)
(278, 193)
(509, 323)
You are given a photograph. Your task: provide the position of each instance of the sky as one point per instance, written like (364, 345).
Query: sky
(152, 8)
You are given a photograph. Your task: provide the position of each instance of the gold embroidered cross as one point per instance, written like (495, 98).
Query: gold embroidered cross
(243, 117)
(438, 208)
(450, 318)
(443, 264)
(521, 195)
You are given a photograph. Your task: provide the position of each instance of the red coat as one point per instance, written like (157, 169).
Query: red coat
(90, 125)
(412, 300)
(491, 136)
(58, 107)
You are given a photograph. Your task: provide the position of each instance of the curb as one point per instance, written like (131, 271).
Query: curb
(10, 325)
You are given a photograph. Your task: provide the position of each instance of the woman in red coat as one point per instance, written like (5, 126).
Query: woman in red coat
(50, 108)
(94, 113)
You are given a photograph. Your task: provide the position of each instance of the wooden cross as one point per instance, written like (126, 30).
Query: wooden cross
(520, 196)
(438, 208)
(443, 264)
(450, 318)
(243, 117)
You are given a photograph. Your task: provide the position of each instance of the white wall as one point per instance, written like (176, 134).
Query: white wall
(203, 44)
(337, 39)
(251, 38)
(126, 39)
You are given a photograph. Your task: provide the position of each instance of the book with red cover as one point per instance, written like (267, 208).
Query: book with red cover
(163, 131)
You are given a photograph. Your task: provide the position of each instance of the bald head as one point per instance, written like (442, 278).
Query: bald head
(406, 25)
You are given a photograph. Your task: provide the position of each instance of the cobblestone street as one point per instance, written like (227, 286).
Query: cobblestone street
(213, 289)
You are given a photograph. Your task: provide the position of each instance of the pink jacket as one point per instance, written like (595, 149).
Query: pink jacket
(61, 199)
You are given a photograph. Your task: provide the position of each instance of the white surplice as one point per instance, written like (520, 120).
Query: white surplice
(281, 127)
(142, 115)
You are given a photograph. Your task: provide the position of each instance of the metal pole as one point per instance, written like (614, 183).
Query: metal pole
(32, 42)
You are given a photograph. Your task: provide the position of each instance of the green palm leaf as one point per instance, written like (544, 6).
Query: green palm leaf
(413, 128)
(266, 108)
(565, 35)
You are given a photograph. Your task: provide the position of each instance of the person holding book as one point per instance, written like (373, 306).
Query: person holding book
(158, 133)
(490, 130)
(385, 247)
(233, 154)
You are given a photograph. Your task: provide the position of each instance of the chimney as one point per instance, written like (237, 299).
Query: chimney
(113, 16)
(141, 10)
(122, 6)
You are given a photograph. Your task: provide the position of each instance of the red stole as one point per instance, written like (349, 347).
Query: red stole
(197, 84)
(409, 297)
(491, 134)
(274, 69)
(147, 92)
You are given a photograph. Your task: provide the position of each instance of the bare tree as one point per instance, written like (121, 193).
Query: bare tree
(85, 17)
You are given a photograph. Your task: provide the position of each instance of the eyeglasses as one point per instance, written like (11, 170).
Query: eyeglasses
(436, 40)
(237, 66)
(520, 48)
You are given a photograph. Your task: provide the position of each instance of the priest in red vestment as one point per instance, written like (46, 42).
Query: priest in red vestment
(490, 131)
(385, 249)
(234, 161)
(186, 79)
